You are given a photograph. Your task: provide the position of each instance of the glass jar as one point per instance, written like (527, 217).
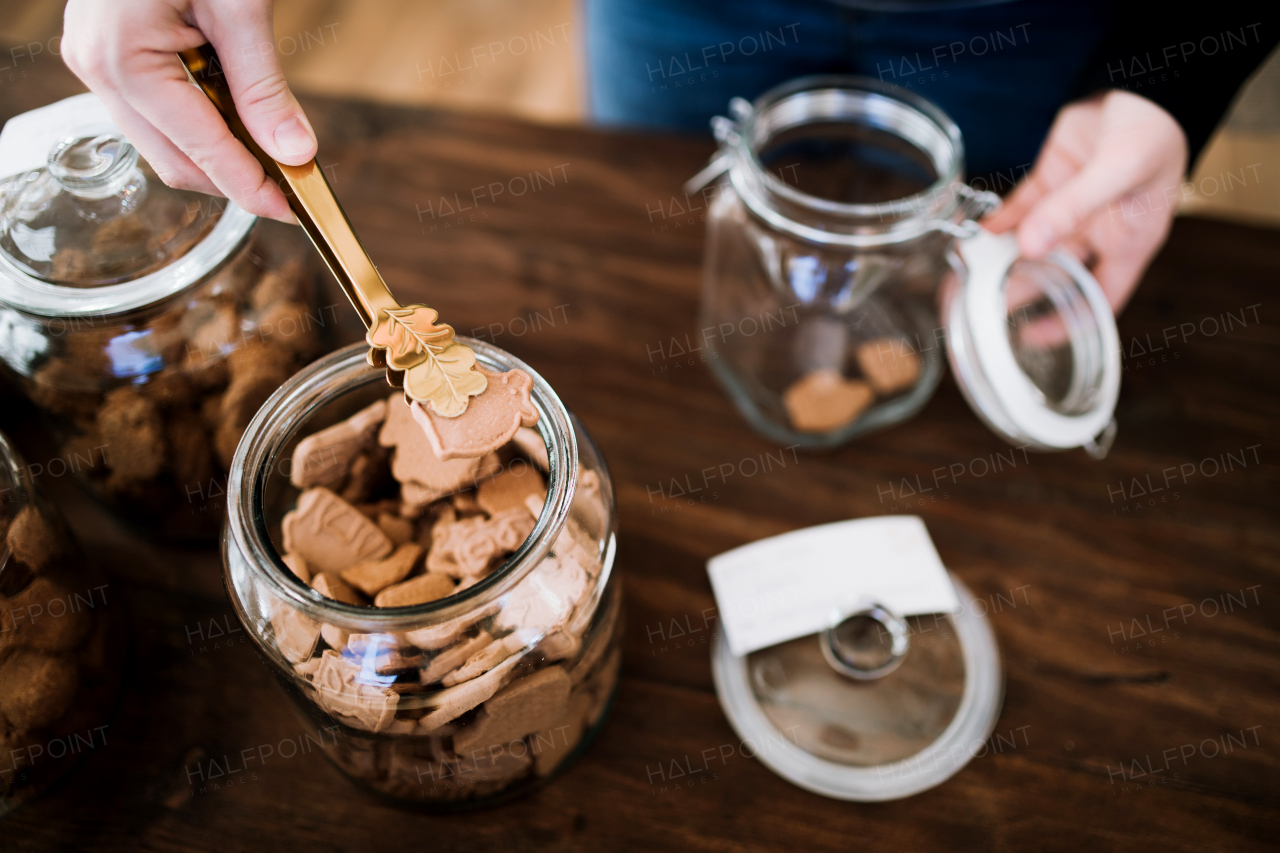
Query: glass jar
(843, 256)
(388, 722)
(60, 650)
(147, 323)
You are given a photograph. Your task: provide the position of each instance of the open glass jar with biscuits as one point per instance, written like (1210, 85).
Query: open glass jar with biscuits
(147, 323)
(446, 609)
(61, 651)
(843, 258)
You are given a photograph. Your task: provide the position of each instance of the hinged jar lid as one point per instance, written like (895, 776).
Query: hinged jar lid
(873, 708)
(92, 229)
(1034, 346)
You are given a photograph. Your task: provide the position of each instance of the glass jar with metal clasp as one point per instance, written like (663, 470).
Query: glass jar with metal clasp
(841, 226)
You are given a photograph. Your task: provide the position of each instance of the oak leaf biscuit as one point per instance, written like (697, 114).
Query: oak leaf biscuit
(490, 421)
(824, 400)
(373, 576)
(453, 657)
(509, 490)
(427, 587)
(889, 365)
(31, 539)
(324, 458)
(330, 533)
(527, 705)
(345, 692)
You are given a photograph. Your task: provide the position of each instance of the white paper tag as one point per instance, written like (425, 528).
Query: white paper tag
(802, 582)
(27, 139)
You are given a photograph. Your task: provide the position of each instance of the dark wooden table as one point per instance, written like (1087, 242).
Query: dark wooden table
(1074, 563)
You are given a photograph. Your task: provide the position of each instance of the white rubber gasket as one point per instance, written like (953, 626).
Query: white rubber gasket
(964, 737)
(1009, 390)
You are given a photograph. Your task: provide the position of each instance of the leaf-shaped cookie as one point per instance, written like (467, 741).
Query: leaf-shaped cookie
(409, 335)
(445, 380)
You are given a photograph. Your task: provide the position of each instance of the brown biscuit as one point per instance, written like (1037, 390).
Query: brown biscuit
(216, 329)
(389, 653)
(282, 284)
(490, 421)
(530, 441)
(560, 645)
(43, 617)
(527, 705)
(342, 692)
(465, 548)
(373, 576)
(453, 702)
(367, 471)
(447, 633)
(288, 324)
(298, 565)
(546, 597)
(509, 490)
(824, 400)
(133, 432)
(331, 586)
(37, 688)
(415, 462)
(256, 372)
(330, 533)
(323, 458)
(453, 657)
(296, 633)
(32, 540)
(399, 530)
(485, 659)
(553, 744)
(190, 453)
(419, 590)
(890, 365)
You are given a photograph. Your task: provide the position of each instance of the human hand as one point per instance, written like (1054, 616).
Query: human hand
(1104, 187)
(126, 52)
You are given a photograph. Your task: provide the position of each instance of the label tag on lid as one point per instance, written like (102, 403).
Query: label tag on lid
(27, 139)
(801, 582)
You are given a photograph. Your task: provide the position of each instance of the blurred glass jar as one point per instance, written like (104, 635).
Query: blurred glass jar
(149, 324)
(60, 650)
(843, 256)
(368, 678)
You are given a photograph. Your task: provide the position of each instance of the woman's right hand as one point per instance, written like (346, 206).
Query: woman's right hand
(126, 53)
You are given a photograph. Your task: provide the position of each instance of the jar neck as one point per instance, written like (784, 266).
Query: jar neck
(282, 418)
(856, 102)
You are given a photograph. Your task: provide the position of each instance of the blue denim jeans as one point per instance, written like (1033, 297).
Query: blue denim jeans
(1000, 71)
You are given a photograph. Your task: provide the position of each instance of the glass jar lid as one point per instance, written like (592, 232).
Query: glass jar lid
(95, 231)
(875, 708)
(1034, 346)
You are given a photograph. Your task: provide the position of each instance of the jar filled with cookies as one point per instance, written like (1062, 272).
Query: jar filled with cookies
(147, 323)
(435, 594)
(844, 267)
(60, 649)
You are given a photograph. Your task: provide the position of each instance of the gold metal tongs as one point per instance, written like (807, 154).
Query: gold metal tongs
(420, 355)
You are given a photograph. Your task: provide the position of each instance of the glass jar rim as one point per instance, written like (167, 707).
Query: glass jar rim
(866, 101)
(31, 295)
(288, 409)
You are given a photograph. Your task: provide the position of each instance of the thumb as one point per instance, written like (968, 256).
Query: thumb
(1064, 210)
(246, 46)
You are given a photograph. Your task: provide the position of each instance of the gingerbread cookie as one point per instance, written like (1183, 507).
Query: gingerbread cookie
(490, 421)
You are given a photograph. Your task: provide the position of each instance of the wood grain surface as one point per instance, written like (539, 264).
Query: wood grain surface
(588, 280)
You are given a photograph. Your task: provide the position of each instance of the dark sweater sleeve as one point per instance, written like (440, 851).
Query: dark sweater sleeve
(1192, 65)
